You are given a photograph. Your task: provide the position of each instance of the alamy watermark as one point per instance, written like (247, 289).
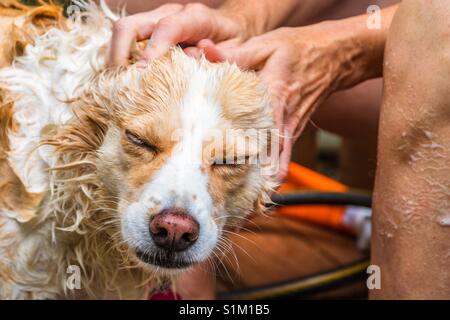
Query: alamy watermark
(374, 280)
(73, 281)
(374, 17)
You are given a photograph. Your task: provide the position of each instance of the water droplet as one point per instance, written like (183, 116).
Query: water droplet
(428, 134)
(444, 221)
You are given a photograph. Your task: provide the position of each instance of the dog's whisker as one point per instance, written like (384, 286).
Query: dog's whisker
(233, 263)
(240, 236)
(245, 251)
(229, 248)
(224, 267)
(241, 228)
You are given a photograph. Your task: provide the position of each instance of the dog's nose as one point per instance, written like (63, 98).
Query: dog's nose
(174, 229)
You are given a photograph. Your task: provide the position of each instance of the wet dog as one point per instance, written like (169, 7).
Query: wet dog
(121, 176)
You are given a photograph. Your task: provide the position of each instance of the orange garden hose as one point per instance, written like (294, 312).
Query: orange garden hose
(303, 179)
(300, 177)
(297, 198)
(328, 216)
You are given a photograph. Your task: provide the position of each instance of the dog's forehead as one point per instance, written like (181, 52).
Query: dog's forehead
(179, 92)
(175, 100)
(177, 82)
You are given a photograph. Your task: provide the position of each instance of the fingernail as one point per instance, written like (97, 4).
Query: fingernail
(142, 63)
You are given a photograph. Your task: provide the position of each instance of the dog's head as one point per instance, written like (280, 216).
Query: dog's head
(185, 150)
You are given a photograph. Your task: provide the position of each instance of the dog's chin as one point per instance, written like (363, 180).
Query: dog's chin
(164, 262)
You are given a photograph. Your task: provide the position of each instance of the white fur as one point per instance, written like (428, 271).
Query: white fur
(53, 70)
(180, 182)
(56, 69)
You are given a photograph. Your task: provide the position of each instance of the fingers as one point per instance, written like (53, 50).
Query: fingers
(211, 50)
(123, 37)
(135, 28)
(193, 52)
(169, 31)
(214, 52)
(167, 26)
(189, 26)
(285, 158)
(249, 55)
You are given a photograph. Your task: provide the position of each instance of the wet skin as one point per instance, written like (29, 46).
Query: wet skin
(411, 236)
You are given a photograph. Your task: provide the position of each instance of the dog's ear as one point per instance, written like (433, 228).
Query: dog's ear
(85, 134)
(13, 193)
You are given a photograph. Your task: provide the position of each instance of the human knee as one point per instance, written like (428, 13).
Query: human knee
(416, 103)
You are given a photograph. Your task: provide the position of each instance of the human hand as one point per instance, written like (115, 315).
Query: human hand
(301, 68)
(172, 24)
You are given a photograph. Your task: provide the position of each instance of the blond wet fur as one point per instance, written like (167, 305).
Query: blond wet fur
(74, 190)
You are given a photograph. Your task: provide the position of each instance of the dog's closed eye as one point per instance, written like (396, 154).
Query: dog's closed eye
(141, 142)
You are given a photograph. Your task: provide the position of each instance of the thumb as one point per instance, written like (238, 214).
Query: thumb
(211, 50)
(249, 55)
(183, 27)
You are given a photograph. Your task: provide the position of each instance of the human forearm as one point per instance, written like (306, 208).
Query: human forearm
(182, 21)
(358, 49)
(260, 16)
(136, 6)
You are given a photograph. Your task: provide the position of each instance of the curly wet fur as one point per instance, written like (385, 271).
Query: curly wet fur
(70, 216)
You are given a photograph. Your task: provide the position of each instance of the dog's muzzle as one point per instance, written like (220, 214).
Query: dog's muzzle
(173, 231)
